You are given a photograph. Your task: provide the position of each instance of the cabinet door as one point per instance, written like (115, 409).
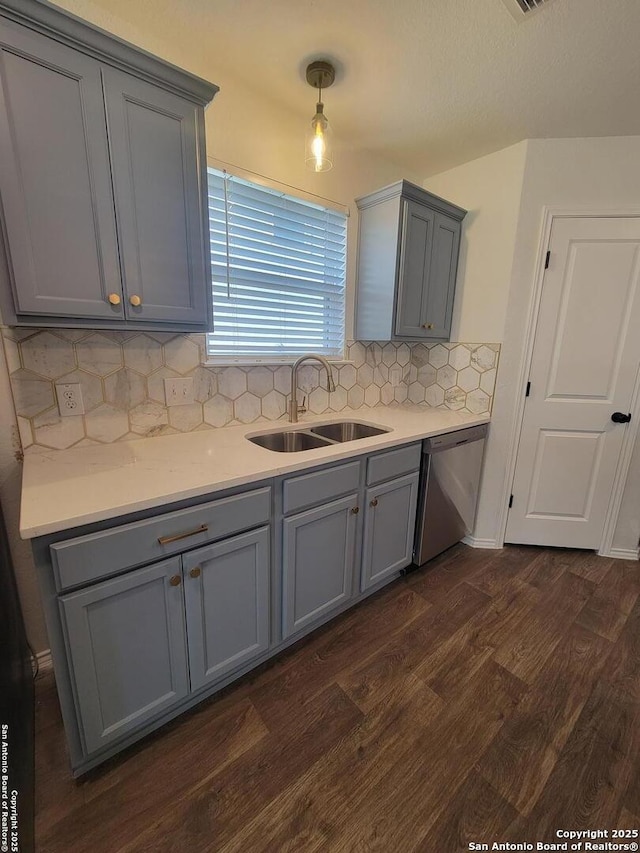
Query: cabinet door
(318, 558)
(157, 147)
(55, 179)
(438, 304)
(127, 645)
(228, 604)
(389, 525)
(416, 241)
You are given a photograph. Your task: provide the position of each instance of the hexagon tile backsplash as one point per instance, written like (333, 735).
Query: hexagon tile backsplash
(122, 373)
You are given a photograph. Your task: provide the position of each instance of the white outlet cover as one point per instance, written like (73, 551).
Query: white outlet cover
(70, 402)
(179, 392)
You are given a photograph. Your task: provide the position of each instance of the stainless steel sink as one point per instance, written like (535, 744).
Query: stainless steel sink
(323, 435)
(346, 431)
(289, 441)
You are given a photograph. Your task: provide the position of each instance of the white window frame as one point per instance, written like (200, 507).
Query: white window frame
(259, 182)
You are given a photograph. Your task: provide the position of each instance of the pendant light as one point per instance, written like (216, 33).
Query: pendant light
(318, 148)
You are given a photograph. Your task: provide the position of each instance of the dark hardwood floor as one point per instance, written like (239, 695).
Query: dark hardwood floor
(494, 696)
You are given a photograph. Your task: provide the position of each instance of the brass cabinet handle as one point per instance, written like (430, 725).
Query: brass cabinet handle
(374, 502)
(427, 325)
(355, 510)
(165, 540)
(175, 580)
(135, 300)
(195, 572)
(114, 299)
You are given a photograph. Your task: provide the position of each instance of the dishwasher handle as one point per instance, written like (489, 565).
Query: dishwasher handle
(453, 439)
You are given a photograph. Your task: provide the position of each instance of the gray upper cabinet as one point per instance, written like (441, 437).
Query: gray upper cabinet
(102, 179)
(227, 601)
(55, 179)
(416, 244)
(127, 647)
(157, 140)
(409, 241)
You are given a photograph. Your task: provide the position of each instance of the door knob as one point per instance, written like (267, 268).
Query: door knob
(135, 300)
(195, 572)
(620, 418)
(114, 299)
(175, 580)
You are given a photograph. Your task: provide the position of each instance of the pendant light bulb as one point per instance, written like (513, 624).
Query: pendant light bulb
(318, 147)
(319, 155)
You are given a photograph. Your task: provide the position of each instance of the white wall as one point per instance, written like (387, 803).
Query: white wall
(244, 130)
(599, 174)
(490, 189)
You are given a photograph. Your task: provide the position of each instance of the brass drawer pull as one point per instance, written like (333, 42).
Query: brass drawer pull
(135, 300)
(427, 326)
(374, 502)
(195, 572)
(355, 510)
(175, 580)
(114, 299)
(165, 540)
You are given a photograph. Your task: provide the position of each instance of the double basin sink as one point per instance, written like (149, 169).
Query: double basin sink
(292, 441)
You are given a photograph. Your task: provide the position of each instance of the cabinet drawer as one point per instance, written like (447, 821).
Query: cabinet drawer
(320, 486)
(393, 463)
(88, 558)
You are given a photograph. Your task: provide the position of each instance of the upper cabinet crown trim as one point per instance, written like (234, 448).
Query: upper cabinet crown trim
(412, 191)
(78, 34)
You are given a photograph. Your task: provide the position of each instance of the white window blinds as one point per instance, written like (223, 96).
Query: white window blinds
(278, 272)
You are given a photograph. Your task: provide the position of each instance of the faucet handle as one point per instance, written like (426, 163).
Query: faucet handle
(302, 407)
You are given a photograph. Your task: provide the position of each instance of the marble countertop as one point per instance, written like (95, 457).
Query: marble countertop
(62, 489)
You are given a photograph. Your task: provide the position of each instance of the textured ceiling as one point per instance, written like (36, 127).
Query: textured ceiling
(426, 83)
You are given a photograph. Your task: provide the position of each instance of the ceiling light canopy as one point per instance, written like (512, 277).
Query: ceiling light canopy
(318, 148)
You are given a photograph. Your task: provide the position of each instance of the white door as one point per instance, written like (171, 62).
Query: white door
(585, 364)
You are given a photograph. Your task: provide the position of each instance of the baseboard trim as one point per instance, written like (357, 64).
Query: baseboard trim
(621, 553)
(45, 661)
(481, 543)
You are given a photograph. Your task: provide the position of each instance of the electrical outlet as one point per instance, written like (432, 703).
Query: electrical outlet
(70, 399)
(179, 392)
(395, 376)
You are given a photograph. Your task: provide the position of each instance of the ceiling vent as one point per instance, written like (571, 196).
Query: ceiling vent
(522, 8)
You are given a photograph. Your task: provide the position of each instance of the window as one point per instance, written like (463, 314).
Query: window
(278, 273)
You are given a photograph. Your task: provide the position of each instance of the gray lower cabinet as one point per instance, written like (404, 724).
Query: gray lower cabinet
(127, 649)
(227, 602)
(137, 646)
(318, 554)
(150, 615)
(102, 180)
(389, 525)
(409, 241)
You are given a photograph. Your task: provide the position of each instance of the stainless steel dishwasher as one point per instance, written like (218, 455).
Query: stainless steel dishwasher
(449, 481)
